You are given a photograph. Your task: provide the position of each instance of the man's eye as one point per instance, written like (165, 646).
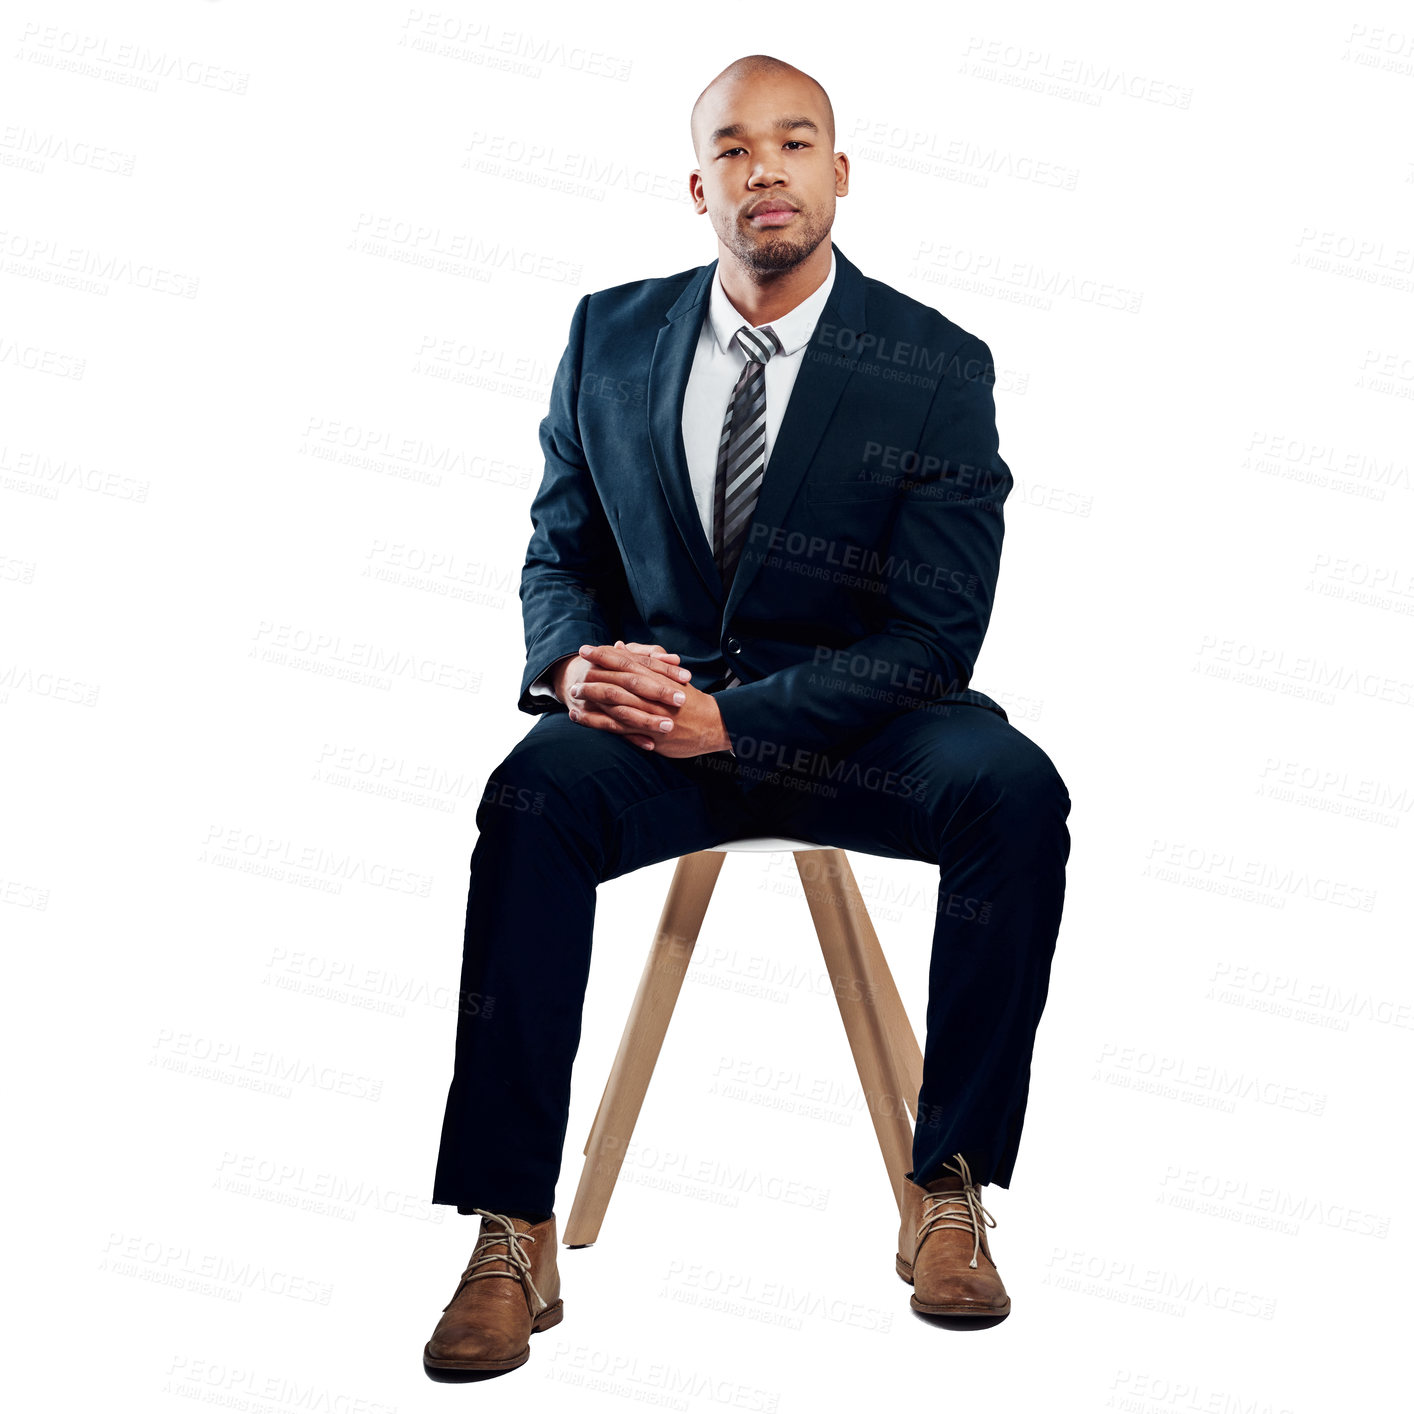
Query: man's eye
(790, 142)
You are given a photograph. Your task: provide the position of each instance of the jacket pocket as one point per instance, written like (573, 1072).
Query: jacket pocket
(819, 493)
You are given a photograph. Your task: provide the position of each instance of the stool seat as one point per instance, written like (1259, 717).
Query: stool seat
(764, 844)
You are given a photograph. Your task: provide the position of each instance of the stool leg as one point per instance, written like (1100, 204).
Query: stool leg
(886, 1052)
(658, 988)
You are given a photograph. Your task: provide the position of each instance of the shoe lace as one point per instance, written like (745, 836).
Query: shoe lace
(502, 1231)
(962, 1211)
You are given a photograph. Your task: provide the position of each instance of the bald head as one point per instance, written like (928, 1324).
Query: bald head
(747, 73)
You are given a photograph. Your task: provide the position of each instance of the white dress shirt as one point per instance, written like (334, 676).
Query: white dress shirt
(716, 365)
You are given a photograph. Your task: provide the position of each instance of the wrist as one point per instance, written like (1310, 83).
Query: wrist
(558, 671)
(724, 741)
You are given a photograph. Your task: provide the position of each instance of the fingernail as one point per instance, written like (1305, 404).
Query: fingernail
(574, 691)
(683, 674)
(585, 647)
(679, 698)
(665, 725)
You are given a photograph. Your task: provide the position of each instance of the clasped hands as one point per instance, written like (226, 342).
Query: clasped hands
(640, 691)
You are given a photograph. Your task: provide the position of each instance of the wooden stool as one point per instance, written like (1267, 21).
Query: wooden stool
(886, 1052)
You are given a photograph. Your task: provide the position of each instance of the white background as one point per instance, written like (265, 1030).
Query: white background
(277, 326)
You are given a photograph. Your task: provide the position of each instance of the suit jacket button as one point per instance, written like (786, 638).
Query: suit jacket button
(733, 646)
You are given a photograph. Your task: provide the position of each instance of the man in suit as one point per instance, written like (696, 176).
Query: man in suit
(764, 558)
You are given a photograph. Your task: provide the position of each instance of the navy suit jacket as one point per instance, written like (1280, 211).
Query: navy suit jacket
(867, 576)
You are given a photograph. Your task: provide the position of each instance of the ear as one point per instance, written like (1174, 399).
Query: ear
(841, 174)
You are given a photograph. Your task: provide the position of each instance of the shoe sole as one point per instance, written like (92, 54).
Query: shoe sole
(551, 1316)
(946, 1308)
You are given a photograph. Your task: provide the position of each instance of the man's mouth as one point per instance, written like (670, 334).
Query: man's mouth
(773, 213)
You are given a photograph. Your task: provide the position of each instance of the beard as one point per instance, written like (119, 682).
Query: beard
(776, 249)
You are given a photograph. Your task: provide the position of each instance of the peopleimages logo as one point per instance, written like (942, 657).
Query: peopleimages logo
(801, 760)
(864, 559)
(862, 665)
(879, 348)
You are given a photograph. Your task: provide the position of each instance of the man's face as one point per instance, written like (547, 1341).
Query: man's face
(768, 185)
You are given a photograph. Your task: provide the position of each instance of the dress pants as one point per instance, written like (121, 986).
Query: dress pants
(954, 785)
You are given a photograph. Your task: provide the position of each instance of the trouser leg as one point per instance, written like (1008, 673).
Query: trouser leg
(968, 792)
(568, 808)
(1001, 890)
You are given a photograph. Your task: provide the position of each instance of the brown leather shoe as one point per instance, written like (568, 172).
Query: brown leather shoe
(488, 1326)
(942, 1247)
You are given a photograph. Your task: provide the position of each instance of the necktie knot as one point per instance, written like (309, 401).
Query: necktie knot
(757, 344)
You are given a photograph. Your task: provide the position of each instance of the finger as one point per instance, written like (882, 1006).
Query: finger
(654, 650)
(654, 681)
(648, 688)
(668, 666)
(609, 698)
(643, 742)
(603, 655)
(609, 722)
(625, 719)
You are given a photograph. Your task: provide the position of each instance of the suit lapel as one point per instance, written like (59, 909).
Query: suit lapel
(817, 389)
(667, 387)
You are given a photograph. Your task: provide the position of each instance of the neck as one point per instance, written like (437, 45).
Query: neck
(760, 296)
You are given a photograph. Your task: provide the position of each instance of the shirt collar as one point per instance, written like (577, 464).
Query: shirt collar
(793, 328)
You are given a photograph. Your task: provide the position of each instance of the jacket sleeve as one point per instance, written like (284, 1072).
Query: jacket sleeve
(572, 567)
(939, 576)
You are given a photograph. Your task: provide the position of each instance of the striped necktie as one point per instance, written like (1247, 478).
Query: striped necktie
(741, 455)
